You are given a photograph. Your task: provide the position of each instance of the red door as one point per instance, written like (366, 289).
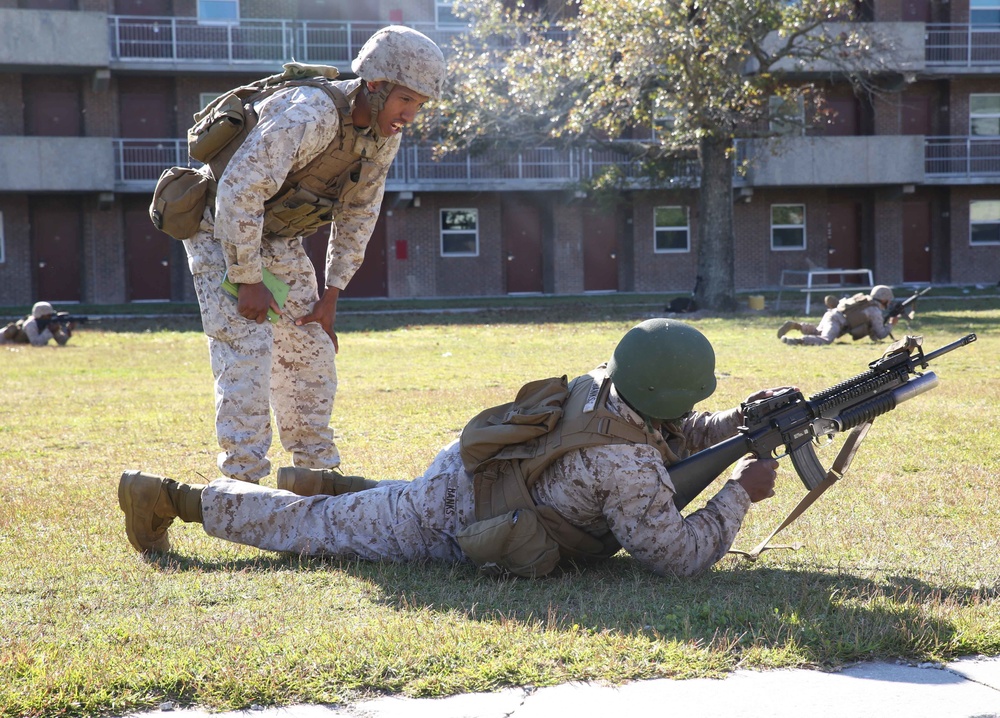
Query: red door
(916, 241)
(600, 251)
(372, 277)
(146, 107)
(916, 11)
(917, 114)
(52, 106)
(844, 116)
(147, 255)
(55, 244)
(521, 224)
(843, 231)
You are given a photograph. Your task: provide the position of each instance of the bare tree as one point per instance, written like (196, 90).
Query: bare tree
(694, 74)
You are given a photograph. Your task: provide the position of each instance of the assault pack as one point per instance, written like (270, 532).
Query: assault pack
(853, 308)
(307, 199)
(507, 448)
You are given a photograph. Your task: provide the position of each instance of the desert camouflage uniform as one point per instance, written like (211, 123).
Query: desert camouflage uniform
(622, 489)
(834, 324)
(40, 337)
(257, 366)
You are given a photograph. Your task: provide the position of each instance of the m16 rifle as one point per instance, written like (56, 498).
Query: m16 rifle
(62, 318)
(789, 423)
(905, 307)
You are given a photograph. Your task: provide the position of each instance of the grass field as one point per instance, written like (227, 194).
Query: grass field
(899, 559)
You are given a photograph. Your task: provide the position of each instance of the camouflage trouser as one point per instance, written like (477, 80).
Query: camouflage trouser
(830, 327)
(262, 366)
(395, 521)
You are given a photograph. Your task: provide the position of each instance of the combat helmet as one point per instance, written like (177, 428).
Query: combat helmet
(402, 56)
(662, 368)
(881, 293)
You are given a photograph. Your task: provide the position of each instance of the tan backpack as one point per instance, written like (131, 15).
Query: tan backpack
(508, 447)
(182, 193)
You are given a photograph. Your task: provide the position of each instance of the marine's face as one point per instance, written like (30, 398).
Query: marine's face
(401, 108)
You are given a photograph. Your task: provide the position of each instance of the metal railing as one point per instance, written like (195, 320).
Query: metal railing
(962, 157)
(142, 161)
(962, 45)
(187, 40)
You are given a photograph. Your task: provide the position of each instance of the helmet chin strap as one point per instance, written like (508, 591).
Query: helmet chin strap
(376, 102)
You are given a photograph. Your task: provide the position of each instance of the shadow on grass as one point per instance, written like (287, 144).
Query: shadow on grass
(829, 616)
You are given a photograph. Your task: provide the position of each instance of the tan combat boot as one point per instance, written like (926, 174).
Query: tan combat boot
(787, 327)
(315, 482)
(151, 503)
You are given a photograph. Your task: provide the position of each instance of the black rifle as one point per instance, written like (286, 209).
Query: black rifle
(905, 307)
(789, 420)
(62, 318)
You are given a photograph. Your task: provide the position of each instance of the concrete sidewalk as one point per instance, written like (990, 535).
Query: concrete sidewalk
(966, 688)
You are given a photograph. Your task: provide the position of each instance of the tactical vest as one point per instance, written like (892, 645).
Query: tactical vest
(569, 417)
(853, 308)
(14, 332)
(309, 196)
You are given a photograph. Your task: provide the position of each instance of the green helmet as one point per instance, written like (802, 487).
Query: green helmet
(662, 368)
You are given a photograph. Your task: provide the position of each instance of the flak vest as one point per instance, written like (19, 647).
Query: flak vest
(309, 196)
(563, 418)
(853, 309)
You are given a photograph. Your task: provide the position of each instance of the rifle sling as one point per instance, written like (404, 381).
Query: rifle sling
(836, 472)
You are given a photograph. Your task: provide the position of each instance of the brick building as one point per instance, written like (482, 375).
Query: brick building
(95, 96)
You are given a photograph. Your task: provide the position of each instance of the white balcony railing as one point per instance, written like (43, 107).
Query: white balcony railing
(142, 161)
(962, 45)
(186, 40)
(962, 157)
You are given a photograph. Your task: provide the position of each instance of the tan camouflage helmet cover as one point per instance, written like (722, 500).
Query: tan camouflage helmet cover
(402, 56)
(42, 309)
(881, 293)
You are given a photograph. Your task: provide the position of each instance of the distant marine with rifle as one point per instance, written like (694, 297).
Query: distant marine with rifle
(42, 326)
(861, 315)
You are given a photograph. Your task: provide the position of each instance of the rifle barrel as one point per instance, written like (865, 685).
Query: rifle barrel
(967, 339)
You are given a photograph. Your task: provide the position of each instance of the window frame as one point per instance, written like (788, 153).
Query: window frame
(446, 232)
(675, 228)
(448, 7)
(802, 227)
(993, 116)
(980, 8)
(203, 20)
(794, 125)
(991, 222)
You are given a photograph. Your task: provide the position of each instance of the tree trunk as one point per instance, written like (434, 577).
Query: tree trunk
(716, 286)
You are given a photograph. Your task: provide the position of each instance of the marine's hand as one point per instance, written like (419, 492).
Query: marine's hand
(325, 313)
(764, 394)
(756, 476)
(254, 301)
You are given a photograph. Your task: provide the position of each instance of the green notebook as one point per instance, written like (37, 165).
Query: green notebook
(277, 288)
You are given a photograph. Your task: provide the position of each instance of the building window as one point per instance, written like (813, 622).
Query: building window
(670, 230)
(207, 98)
(459, 233)
(444, 14)
(984, 222)
(984, 12)
(788, 226)
(218, 11)
(984, 115)
(3, 245)
(787, 117)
